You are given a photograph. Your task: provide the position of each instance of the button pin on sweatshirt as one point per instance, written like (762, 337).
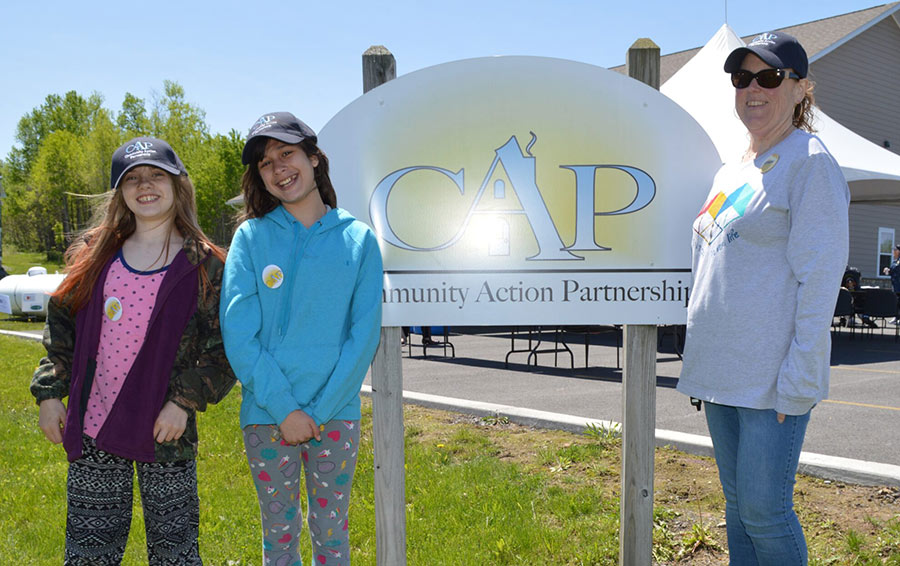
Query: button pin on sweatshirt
(769, 163)
(272, 276)
(113, 309)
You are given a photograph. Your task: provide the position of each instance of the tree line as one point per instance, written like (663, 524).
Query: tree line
(52, 180)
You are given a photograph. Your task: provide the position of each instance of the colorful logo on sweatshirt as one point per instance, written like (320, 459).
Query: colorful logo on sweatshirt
(720, 211)
(113, 309)
(272, 276)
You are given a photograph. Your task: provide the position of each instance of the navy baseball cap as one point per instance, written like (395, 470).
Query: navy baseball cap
(778, 49)
(144, 151)
(283, 126)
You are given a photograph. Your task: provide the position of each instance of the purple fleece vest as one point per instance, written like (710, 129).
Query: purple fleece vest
(128, 430)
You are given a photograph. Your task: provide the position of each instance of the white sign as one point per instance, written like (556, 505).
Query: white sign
(524, 190)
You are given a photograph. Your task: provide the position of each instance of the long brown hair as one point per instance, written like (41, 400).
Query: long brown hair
(258, 201)
(113, 224)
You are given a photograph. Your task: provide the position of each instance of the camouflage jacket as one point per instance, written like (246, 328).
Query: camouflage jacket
(200, 373)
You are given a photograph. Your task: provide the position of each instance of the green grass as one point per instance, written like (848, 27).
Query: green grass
(479, 491)
(465, 505)
(20, 324)
(16, 262)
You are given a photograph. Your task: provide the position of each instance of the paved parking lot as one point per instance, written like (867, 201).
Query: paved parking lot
(861, 420)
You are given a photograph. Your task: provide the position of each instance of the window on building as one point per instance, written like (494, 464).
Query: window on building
(885, 249)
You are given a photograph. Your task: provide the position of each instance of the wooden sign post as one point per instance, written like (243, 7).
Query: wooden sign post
(390, 476)
(638, 393)
(379, 67)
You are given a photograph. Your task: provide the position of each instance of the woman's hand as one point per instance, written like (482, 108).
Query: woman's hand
(170, 423)
(298, 427)
(780, 417)
(52, 419)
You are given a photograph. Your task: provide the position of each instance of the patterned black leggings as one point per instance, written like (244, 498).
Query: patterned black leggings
(99, 492)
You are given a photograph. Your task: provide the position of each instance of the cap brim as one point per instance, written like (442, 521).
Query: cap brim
(736, 57)
(280, 136)
(159, 164)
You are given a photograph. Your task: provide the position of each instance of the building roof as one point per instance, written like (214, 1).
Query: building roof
(818, 37)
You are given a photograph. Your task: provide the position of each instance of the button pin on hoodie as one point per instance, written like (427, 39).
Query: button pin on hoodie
(769, 163)
(272, 276)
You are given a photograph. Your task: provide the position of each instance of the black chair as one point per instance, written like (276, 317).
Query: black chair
(882, 303)
(844, 309)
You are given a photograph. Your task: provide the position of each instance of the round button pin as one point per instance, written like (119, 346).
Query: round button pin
(113, 309)
(272, 276)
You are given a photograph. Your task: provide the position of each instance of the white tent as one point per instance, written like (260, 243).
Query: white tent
(703, 89)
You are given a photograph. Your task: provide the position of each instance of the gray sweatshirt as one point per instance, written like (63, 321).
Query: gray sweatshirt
(769, 248)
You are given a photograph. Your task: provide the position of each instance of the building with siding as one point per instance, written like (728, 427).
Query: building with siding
(855, 63)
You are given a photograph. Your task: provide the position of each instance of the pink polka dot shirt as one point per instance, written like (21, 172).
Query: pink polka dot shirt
(129, 296)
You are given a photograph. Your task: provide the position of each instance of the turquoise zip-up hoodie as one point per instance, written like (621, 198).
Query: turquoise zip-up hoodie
(301, 315)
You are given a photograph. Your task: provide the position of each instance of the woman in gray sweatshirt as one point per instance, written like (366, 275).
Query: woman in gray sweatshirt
(770, 245)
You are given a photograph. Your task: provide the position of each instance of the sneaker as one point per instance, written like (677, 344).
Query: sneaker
(870, 323)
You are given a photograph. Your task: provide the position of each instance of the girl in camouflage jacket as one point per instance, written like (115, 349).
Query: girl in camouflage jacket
(133, 340)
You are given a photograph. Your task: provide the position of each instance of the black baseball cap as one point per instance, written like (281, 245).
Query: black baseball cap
(144, 151)
(283, 126)
(778, 49)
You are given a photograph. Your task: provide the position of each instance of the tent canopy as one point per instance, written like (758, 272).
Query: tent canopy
(704, 90)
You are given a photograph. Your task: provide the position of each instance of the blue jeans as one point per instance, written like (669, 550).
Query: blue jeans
(757, 458)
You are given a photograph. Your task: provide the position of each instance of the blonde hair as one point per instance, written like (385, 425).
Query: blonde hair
(803, 112)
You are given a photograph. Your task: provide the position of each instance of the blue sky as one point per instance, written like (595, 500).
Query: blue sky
(237, 60)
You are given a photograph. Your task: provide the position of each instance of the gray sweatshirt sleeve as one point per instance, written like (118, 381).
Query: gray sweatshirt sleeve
(817, 253)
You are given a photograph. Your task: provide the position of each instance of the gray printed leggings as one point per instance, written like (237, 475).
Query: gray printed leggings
(329, 467)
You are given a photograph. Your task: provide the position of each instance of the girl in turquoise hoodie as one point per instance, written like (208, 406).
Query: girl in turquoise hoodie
(301, 318)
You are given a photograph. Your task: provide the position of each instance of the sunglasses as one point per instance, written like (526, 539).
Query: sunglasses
(767, 78)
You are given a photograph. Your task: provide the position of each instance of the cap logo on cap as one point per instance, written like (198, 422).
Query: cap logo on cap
(139, 150)
(263, 123)
(138, 146)
(764, 39)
